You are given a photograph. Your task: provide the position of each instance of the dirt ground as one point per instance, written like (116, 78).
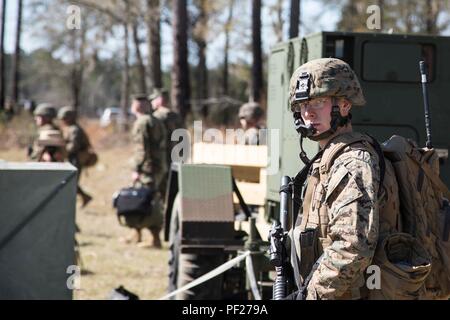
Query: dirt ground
(107, 263)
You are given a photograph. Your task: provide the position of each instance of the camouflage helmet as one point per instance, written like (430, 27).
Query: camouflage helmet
(158, 92)
(45, 110)
(250, 111)
(51, 138)
(325, 77)
(67, 112)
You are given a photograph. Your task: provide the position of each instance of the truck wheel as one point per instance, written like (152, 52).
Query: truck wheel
(174, 244)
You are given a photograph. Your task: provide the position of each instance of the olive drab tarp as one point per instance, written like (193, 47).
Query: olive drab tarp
(37, 230)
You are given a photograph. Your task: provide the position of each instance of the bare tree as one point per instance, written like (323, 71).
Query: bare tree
(200, 28)
(180, 69)
(294, 19)
(278, 21)
(227, 47)
(2, 56)
(16, 63)
(257, 68)
(78, 50)
(126, 66)
(154, 42)
(140, 62)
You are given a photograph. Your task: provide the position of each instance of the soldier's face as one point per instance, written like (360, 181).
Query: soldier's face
(40, 120)
(243, 123)
(157, 102)
(136, 107)
(317, 112)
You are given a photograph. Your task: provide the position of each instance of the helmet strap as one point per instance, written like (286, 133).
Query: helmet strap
(337, 120)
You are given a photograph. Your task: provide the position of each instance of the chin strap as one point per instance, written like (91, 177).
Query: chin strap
(308, 131)
(337, 120)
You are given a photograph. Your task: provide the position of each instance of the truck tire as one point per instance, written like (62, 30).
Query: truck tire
(185, 267)
(174, 244)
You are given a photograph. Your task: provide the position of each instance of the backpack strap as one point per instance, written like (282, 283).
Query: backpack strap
(334, 148)
(340, 143)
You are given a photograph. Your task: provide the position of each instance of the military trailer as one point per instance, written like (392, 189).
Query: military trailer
(199, 203)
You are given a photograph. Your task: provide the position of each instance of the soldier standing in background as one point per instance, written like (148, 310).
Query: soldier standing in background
(250, 115)
(77, 142)
(150, 166)
(44, 114)
(171, 120)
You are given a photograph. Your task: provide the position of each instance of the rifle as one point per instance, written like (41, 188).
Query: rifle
(277, 238)
(423, 73)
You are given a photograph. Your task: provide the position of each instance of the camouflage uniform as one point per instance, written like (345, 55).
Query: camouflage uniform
(341, 207)
(171, 121)
(149, 139)
(43, 110)
(77, 142)
(252, 113)
(52, 142)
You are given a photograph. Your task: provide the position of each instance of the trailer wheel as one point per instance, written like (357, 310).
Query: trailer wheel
(193, 266)
(186, 267)
(174, 245)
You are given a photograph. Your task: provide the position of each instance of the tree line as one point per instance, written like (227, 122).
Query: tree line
(71, 68)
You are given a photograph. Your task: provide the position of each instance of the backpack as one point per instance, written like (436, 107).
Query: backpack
(413, 250)
(414, 255)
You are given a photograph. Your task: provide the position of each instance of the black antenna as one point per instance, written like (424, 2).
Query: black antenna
(423, 73)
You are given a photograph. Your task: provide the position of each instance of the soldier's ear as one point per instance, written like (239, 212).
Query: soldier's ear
(345, 106)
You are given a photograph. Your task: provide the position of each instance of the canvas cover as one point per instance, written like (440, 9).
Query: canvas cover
(37, 230)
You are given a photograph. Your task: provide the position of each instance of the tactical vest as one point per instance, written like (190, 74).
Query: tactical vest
(312, 225)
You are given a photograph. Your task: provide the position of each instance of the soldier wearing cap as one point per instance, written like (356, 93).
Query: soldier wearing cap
(250, 115)
(171, 120)
(336, 232)
(44, 114)
(150, 168)
(77, 143)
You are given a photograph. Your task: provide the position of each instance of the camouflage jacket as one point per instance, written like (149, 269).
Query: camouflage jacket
(171, 121)
(253, 136)
(76, 141)
(149, 139)
(343, 207)
(36, 150)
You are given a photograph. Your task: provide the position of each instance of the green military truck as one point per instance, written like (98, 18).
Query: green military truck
(200, 219)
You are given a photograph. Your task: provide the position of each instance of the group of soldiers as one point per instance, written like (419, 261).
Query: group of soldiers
(67, 142)
(152, 132)
(152, 143)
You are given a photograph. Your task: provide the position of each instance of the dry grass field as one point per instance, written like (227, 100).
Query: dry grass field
(106, 262)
